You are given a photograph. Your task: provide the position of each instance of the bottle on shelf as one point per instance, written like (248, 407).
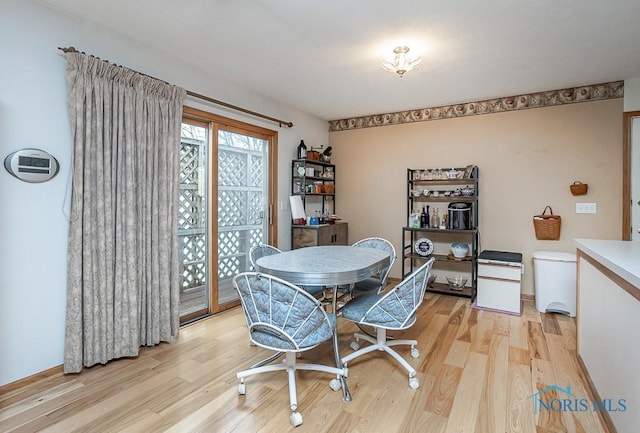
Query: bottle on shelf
(424, 222)
(435, 219)
(302, 150)
(443, 223)
(414, 219)
(428, 217)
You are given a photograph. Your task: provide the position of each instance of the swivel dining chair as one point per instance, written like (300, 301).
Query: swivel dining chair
(261, 250)
(376, 283)
(284, 318)
(393, 310)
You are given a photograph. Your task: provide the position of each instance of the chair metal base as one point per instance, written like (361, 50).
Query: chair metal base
(383, 344)
(290, 365)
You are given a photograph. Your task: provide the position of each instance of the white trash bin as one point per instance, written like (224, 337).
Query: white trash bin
(554, 275)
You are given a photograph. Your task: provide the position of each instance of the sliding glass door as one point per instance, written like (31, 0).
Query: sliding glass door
(243, 207)
(193, 220)
(227, 189)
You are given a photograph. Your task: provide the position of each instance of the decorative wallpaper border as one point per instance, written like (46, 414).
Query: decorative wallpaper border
(549, 98)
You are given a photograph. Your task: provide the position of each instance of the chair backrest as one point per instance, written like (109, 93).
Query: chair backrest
(280, 315)
(261, 250)
(384, 245)
(397, 308)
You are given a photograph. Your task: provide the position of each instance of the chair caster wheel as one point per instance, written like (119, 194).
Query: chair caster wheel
(414, 383)
(335, 384)
(355, 345)
(295, 419)
(242, 390)
(415, 353)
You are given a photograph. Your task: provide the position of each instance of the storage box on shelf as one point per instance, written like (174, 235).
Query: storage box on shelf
(454, 194)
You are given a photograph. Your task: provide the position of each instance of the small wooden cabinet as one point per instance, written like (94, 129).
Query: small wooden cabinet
(323, 234)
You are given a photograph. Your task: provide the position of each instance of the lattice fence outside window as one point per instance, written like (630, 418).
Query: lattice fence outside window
(241, 204)
(192, 225)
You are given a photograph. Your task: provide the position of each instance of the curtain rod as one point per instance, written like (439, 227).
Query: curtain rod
(199, 96)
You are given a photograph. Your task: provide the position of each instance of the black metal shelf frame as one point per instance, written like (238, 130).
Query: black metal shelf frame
(411, 260)
(324, 167)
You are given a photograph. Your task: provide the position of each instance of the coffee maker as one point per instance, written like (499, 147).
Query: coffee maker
(460, 216)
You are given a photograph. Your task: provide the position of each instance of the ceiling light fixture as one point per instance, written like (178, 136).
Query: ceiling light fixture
(401, 63)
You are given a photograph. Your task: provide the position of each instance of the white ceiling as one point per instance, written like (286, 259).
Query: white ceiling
(323, 56)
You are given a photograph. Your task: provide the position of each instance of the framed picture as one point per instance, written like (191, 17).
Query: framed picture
(468, 172)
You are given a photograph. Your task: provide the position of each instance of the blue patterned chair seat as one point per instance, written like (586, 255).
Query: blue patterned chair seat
(393, 316)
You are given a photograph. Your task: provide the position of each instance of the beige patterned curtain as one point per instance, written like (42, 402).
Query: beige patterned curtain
(123, 267)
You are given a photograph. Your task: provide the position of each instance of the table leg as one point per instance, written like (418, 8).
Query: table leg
(346, 395)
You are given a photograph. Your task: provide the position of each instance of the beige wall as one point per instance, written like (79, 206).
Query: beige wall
(527, 160)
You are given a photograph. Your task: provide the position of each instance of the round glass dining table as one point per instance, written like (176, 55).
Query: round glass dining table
(328, 266)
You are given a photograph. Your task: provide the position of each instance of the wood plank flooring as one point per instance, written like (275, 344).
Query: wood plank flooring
(477, 372)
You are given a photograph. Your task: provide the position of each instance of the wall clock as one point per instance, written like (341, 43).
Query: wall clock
(423, 247)
(32, 165)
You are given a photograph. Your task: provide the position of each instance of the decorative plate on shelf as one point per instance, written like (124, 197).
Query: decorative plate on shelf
(423, 247)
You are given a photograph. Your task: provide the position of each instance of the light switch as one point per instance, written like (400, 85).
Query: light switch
(586, 208)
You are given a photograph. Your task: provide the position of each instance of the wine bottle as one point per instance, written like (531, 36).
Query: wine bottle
(302, 150)
(428, 216)
(424, 222)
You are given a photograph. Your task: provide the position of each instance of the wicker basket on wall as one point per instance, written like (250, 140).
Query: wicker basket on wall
(547, 226)
(579, 188)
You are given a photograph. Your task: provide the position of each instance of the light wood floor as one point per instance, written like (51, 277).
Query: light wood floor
(477, 369)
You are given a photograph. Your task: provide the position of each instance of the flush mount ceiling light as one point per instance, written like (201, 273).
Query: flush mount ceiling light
(401, 63)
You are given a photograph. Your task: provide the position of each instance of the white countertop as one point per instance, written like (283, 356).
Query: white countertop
(621, 257)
